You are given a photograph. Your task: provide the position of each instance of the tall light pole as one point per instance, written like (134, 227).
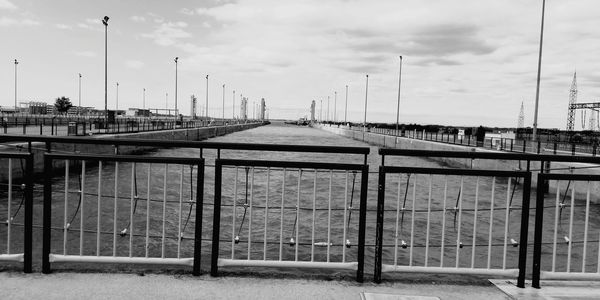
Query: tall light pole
(223, 114)
(321, 112)
(176, 59)
(398, 109)
(117, 97)
(16, 63)
(328, 109)
(233, 106)
(79, 108)
(167, 103)
(346, 108)
(539, 70)
(206, 108)
(366, 98)
(105, 22)
(144, 99)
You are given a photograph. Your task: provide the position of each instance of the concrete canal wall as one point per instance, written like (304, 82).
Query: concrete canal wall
(484, 164)
(187, 134)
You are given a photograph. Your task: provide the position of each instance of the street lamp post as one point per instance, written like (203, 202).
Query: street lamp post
(105, 22)
(79, 108)
(144, 99)
(346, 107)
(117, 108)
(321, 112)
(16, 63)
(206, 108)
(398, 109)
(233, 106)
(328, 109)
(176, 59)
(223, 114)
(167, 103)
(539, 70)
(366, 98)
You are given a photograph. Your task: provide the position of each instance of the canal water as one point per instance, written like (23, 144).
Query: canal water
(293, 214)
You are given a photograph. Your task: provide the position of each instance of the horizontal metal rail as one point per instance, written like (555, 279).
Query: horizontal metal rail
(107, 212)
(430, 218)
(23, 254)
(332, 226)
(186, 144)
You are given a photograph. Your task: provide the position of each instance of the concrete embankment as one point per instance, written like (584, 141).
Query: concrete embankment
(187, 134)
(483, 164)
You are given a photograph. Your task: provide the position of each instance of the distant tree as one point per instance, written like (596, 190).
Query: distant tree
(62, 104)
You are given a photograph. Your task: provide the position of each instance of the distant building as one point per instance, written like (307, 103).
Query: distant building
(244, 109)
(313, 107)
(263, 108)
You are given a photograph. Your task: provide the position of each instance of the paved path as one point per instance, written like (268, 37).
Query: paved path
(88, 286)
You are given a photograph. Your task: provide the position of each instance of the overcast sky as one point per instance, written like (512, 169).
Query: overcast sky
(466, 62)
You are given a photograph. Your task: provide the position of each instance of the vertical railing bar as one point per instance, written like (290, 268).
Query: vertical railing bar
(345, 214)
(428, 221)
(312, 247)
(556, 214)
(398, 219)
(506, 217)
(281, 217)
(131, 205)
(489, 258)
(296, 244)
(147, 246)
(475, 223)
(180, 212)
(115, 209)
(598, 260)
(585, 228)
(66, 225)
(164, 211)
(9, 216)
(459, 221)
(81, 217)
(235, 193)
(99, 208)
(266, 214)
(570, 245)
(250, 213)
(329, 215)
(443, 238)
(412, 222)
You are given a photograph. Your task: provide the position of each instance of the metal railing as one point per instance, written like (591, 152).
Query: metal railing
(474, 209)
(19, 211)
(322, 233)
(102, 205)
(569, 239)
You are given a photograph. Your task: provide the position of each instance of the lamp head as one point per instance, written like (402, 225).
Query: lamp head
(105, 21)
(16, 62)
(176, 59)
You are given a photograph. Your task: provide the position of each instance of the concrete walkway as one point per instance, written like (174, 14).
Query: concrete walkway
(88, 286)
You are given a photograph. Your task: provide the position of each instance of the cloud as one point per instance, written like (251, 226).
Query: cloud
(7, 21)
(137, 19)
(437, 62)
(64, 26)
(85, 53)
(5, 4)
(187, 11)
(134, 64)
(167, 34)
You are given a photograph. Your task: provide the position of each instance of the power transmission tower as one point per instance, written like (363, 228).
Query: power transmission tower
(572, 102)
(521, 122)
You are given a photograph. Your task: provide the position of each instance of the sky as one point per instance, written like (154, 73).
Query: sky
(465, 62)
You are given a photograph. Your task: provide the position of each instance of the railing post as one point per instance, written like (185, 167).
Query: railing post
(27, 243)
(573, 149)
(524, 230)
(364, 188)
(537, 239)
(47, 217)
(214, 267)
(199, 212)
(511, 145)
(539, 146)
(379, 226)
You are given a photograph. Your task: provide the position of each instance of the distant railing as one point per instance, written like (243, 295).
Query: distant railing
(16, 235)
